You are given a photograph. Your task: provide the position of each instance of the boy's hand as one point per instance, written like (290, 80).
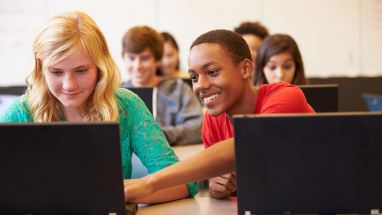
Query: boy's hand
(222, 186)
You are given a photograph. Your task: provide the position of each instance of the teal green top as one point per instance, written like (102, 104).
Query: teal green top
(139, 133)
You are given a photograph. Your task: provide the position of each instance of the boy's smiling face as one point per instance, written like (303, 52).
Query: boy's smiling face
(216, 79)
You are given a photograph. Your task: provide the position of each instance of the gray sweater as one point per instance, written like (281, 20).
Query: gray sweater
(178, 111)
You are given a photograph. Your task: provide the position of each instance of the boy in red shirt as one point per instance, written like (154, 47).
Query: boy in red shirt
(220, 67)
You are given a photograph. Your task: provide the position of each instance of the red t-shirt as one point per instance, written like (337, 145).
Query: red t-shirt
(271, 98)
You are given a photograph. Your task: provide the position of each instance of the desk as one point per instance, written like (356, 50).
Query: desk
(201, 204)
(192, 206)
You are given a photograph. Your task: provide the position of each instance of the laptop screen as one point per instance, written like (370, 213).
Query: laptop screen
(60, 168)
(323, 163)
(322, 97)
(146, 94)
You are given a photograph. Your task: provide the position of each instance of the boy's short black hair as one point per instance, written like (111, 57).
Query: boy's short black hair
(230, 41)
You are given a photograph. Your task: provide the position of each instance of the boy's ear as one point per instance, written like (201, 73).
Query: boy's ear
(247, 68)
(157, 63)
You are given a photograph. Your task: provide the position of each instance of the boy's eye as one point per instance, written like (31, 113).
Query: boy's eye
(146, 58)
(194, 78)
(213, 72)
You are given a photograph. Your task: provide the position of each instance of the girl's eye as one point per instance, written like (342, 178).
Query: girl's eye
(56, 73)
(288, 66)
(272, 67)
(82, 71)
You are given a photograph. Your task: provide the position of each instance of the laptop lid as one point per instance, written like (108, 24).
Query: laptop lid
(322, 97)
(60, 169)
(146, 94)
(324, 163)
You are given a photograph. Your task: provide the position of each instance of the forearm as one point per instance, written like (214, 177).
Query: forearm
(214, 161)
(165, 195)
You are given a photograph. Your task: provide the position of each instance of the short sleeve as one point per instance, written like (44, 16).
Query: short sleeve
(289, 99)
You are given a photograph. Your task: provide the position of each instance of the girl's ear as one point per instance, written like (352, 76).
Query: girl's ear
(247, 68)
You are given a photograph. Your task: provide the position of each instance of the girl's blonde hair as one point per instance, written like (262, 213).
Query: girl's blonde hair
(63, 36)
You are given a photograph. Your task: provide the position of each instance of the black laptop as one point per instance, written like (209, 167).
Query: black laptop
(322, 97)
(314, 163)
(60, 168)
(146, 94)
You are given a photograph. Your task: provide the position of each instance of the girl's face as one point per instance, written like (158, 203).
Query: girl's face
(280, 68)
(72, 80)
(216, 79)
(170, 59)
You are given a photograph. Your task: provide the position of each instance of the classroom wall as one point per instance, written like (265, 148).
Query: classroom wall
(336, 37)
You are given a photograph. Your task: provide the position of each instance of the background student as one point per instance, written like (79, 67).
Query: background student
(220, 68)
(170, 63)
(178, 110)
(279, 60)
(75, 79)
(253, 33)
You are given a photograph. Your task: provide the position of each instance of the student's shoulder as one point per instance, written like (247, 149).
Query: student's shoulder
(125, 96)
(282, 98)
(280, 89)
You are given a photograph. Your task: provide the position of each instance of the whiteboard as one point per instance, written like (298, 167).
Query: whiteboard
(371, 34)
(336, 37)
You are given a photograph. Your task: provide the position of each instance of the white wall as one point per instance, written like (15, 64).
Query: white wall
(336, 37)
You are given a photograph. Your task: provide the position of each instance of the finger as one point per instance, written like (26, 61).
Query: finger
(232, 178)
(218, 191)
(222, 187)
(231, 185)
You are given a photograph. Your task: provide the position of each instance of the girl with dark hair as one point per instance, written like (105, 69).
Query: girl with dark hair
(279, 60)
(170, 63)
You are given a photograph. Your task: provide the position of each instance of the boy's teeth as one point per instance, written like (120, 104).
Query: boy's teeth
(208, 99)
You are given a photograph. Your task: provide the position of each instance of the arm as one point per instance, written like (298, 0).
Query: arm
(216, 160)
(164, 195)
(185, 127)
